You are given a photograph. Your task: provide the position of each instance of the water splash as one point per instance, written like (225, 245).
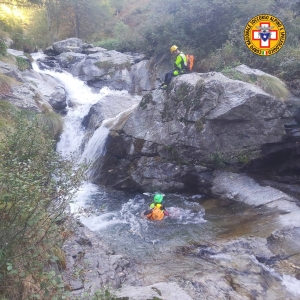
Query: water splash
(95, 146)
(292, 284)
(190, 213)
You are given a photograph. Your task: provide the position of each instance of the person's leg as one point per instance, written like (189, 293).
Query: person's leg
(168, 77)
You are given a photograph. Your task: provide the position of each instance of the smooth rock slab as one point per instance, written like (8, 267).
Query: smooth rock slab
(242, 188)
(161, 290)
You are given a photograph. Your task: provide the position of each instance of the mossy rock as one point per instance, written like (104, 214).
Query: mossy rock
(273, 86)
(236, 75)
(147, 99)
(270, 84)
(108, 65)
(51, 122)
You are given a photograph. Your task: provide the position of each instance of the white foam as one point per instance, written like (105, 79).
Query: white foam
(98, 222)
(186, 215)
(291, 284)
(81, 197)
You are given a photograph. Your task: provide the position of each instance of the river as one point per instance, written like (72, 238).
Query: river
(210, 247)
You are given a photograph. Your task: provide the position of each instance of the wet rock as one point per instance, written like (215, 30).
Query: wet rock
(84, 241)
(92, 265)
(92, 50)
(51, 90)
(50, 51)
(285, 242)
(161, 290)
(242, 188)
(17, 53)
(67, 59)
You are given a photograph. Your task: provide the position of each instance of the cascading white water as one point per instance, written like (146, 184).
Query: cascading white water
(80, 98)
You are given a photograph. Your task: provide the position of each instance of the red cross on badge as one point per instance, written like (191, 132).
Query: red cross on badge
(264, 36)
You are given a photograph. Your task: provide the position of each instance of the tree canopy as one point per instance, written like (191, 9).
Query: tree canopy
(210, 29)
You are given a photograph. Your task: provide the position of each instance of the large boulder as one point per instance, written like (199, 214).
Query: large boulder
(175, 139)
(109, 68)
(68, 45)
(52, 91)
(19, 54)
(30, 90)
(100, 67)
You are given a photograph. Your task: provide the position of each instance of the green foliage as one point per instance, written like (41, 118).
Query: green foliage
(38, 30)
(2, 48)
(124, 39)
(8, 113)
(51, 122)
(9, 23)
(236, 75)
(23, 43)
(22, 64)
(109, 44)
(36, 185)
(218, 160)
(103, 294)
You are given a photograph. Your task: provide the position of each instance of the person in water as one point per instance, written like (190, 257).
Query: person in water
(156, 209)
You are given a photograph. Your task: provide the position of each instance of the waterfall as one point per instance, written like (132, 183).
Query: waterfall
(117, 105)
(95, 147)
(80, 99)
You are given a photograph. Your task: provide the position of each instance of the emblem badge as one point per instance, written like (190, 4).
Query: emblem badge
(264, 35)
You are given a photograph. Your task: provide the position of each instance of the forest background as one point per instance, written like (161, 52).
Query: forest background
(212, 30)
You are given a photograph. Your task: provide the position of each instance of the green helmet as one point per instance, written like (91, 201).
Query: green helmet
(158, 198)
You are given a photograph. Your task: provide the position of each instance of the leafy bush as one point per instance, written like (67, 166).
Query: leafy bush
(36, 185)
(109, 44)
(2, 48)
(22, 64)
(23, 43)
(51, 122)
(103, 294)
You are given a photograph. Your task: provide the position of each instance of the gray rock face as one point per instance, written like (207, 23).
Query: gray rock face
(18, 53)
(100, 67)
(68, 45)
(109, 68)
(11, 71)
(204, 121)
(31, 90)
(90, 264)
(67, 59)
(23, 96)
(161, 290)
(53, 92)
(241, 188)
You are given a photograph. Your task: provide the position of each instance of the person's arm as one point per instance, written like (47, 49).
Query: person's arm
(147, 212)
(164, 210)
